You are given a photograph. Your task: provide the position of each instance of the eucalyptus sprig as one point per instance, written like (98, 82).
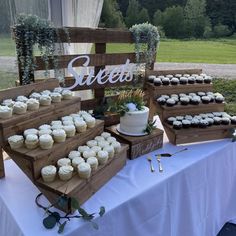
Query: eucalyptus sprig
(150, 127)
(54, 218)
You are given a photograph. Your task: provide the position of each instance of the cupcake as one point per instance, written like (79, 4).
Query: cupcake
(74, 154)
(65, 172)
(170, 120)
(161, 101)
(81, 126)
(169, 76)
(184, 100)
(5, 112)
(32, 104)
(199, 79)
(46, 92)
(207, 79)
(170, 102)
(8, 102)
(96, 149)
(56, 122)
(210, 121)
(179, 118)
(67, 94)
(56, 97)
(192, 94)
(195, 100)
(233, 120)
(48, 173)
(217, 120)
(90, 121)
(201, 94)
(64, 118)
(191, 80)
(205, 99)
(31, 131)
(93, 162)
(102, 157)
(157, 82)
(99, 138)
(44, 126)
(111, 139)
(186, 75)
(81, 149)
(58, 90)
(31, 141)
(16, 141)
(225, 121)
(59, 135)
(44, 131)
(45, 100)
(203, 123)
(219, 99)
(194, 122)
(67, 122)
(92, 143)
(19, 108)
(46, 141)
(64, 162)
(210, 115)
(89, 153)
(178, 75)
(177, 124)
(117, 146)
(103, 144)
(76, 161)
(203, 116)
(70, 130)
(106, 135)
(110, 150)
(84, 170)
(151, 78)
(22, 99)
(35, 96)
(188, 117)
(165, 81)
(217, 114)
(183, 80)
(55, 127)
(174, 81)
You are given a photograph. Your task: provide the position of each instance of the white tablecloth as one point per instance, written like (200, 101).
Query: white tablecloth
(194, 196)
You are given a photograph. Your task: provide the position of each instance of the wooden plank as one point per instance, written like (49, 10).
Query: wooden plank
(173, 72)
(28, 89)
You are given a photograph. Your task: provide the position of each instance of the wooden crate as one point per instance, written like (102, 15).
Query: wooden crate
(83, 189)
(139, 146)
(192, 135)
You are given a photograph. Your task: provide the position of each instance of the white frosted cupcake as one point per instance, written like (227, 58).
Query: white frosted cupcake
(81, 126)
(89, 153)
(99, 138)
(19, 108)
(102, 157)
(45, 100)
(22, 99)
(76, 161)
(103, 144)
(56, 122)
(46, 141)
(81, 149)
(8, 102)
(59, 135)
(48, 173)
(44, 131)
(75, 115)
(35, 96)
(84, 170)
(54, 127)
(96, 149)
(106, 135)
(110, 150)
(31, 131)
(64, 162)
(70, 130)
(32, 104)
(5, 112)
(56, 97)
(74, 154)
(67, 118)
(16, 141)
(45, 126)
(46, 92)
(65, 172)
(67, 94)
(117, 146)
(111, 139)
(90, 121)
(68, 122)
(58, 90)
(92, 143)
(93, 162)
(31, 141)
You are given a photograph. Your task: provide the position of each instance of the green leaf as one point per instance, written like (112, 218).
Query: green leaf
(49, 222)
(85, 215)
(62, 201)
(95, 225)
(82, 212)
(102, 211)
(56, 215)
(61, 227)
(74, 203)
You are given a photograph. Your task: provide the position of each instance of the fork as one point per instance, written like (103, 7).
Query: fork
(151, 166)
(159, 163)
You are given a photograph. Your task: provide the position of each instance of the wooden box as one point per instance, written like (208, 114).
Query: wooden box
(139, 146)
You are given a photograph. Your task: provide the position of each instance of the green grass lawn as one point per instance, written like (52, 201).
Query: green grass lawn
(7, 46)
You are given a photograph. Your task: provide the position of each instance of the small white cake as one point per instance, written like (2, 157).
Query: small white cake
(99, 138)
(89, 153)
(103, 144)
(22, 99)
(111, 139)
(46, 92)
(92, 143)
(93, 162)
(56, 97)
(96, 149)
(81, 126)
(16, 141)
(106, 135)
(19, 108)
(76, 161)
(67, 118)
(48, 173)
(110, 150)
(32, 104)
(90, 121)
(45, 100)
(102, 157)
(35, 96)
(46, 141)
(74, 154)
(70, 130)
(84, 170)
(31, 141)
(45, 126)
(31, 131)
(56, 122)
(5, 112)
(67, 94)
(44, 131)
(65, 172)
(59, 135)
(8, 102)
(54, 127)
(68, 122)
(81, 149)
(117, 146)
(64, 162)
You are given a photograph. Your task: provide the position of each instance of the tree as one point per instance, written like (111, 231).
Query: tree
(158, 18)
(143, 16)
(132, 13)
(111, 16)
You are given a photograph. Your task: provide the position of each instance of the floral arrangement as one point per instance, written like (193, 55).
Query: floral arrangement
(146, 38)
(130, 101)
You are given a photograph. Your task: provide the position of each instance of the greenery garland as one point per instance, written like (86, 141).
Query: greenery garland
(146, 39)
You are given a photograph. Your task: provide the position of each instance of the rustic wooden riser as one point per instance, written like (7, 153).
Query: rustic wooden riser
(165, 111)
(139, 146)
(192, 135)
(83, 189)
(32, 161)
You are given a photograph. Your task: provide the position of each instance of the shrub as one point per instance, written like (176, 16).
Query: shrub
(208, 33)
(221, 30)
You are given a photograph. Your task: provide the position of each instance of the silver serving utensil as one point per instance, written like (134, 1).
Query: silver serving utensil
(159, 163)
(151, 165)
(170, 155)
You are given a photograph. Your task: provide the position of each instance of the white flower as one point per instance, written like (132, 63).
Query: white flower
(234, 134)
(131, 106)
